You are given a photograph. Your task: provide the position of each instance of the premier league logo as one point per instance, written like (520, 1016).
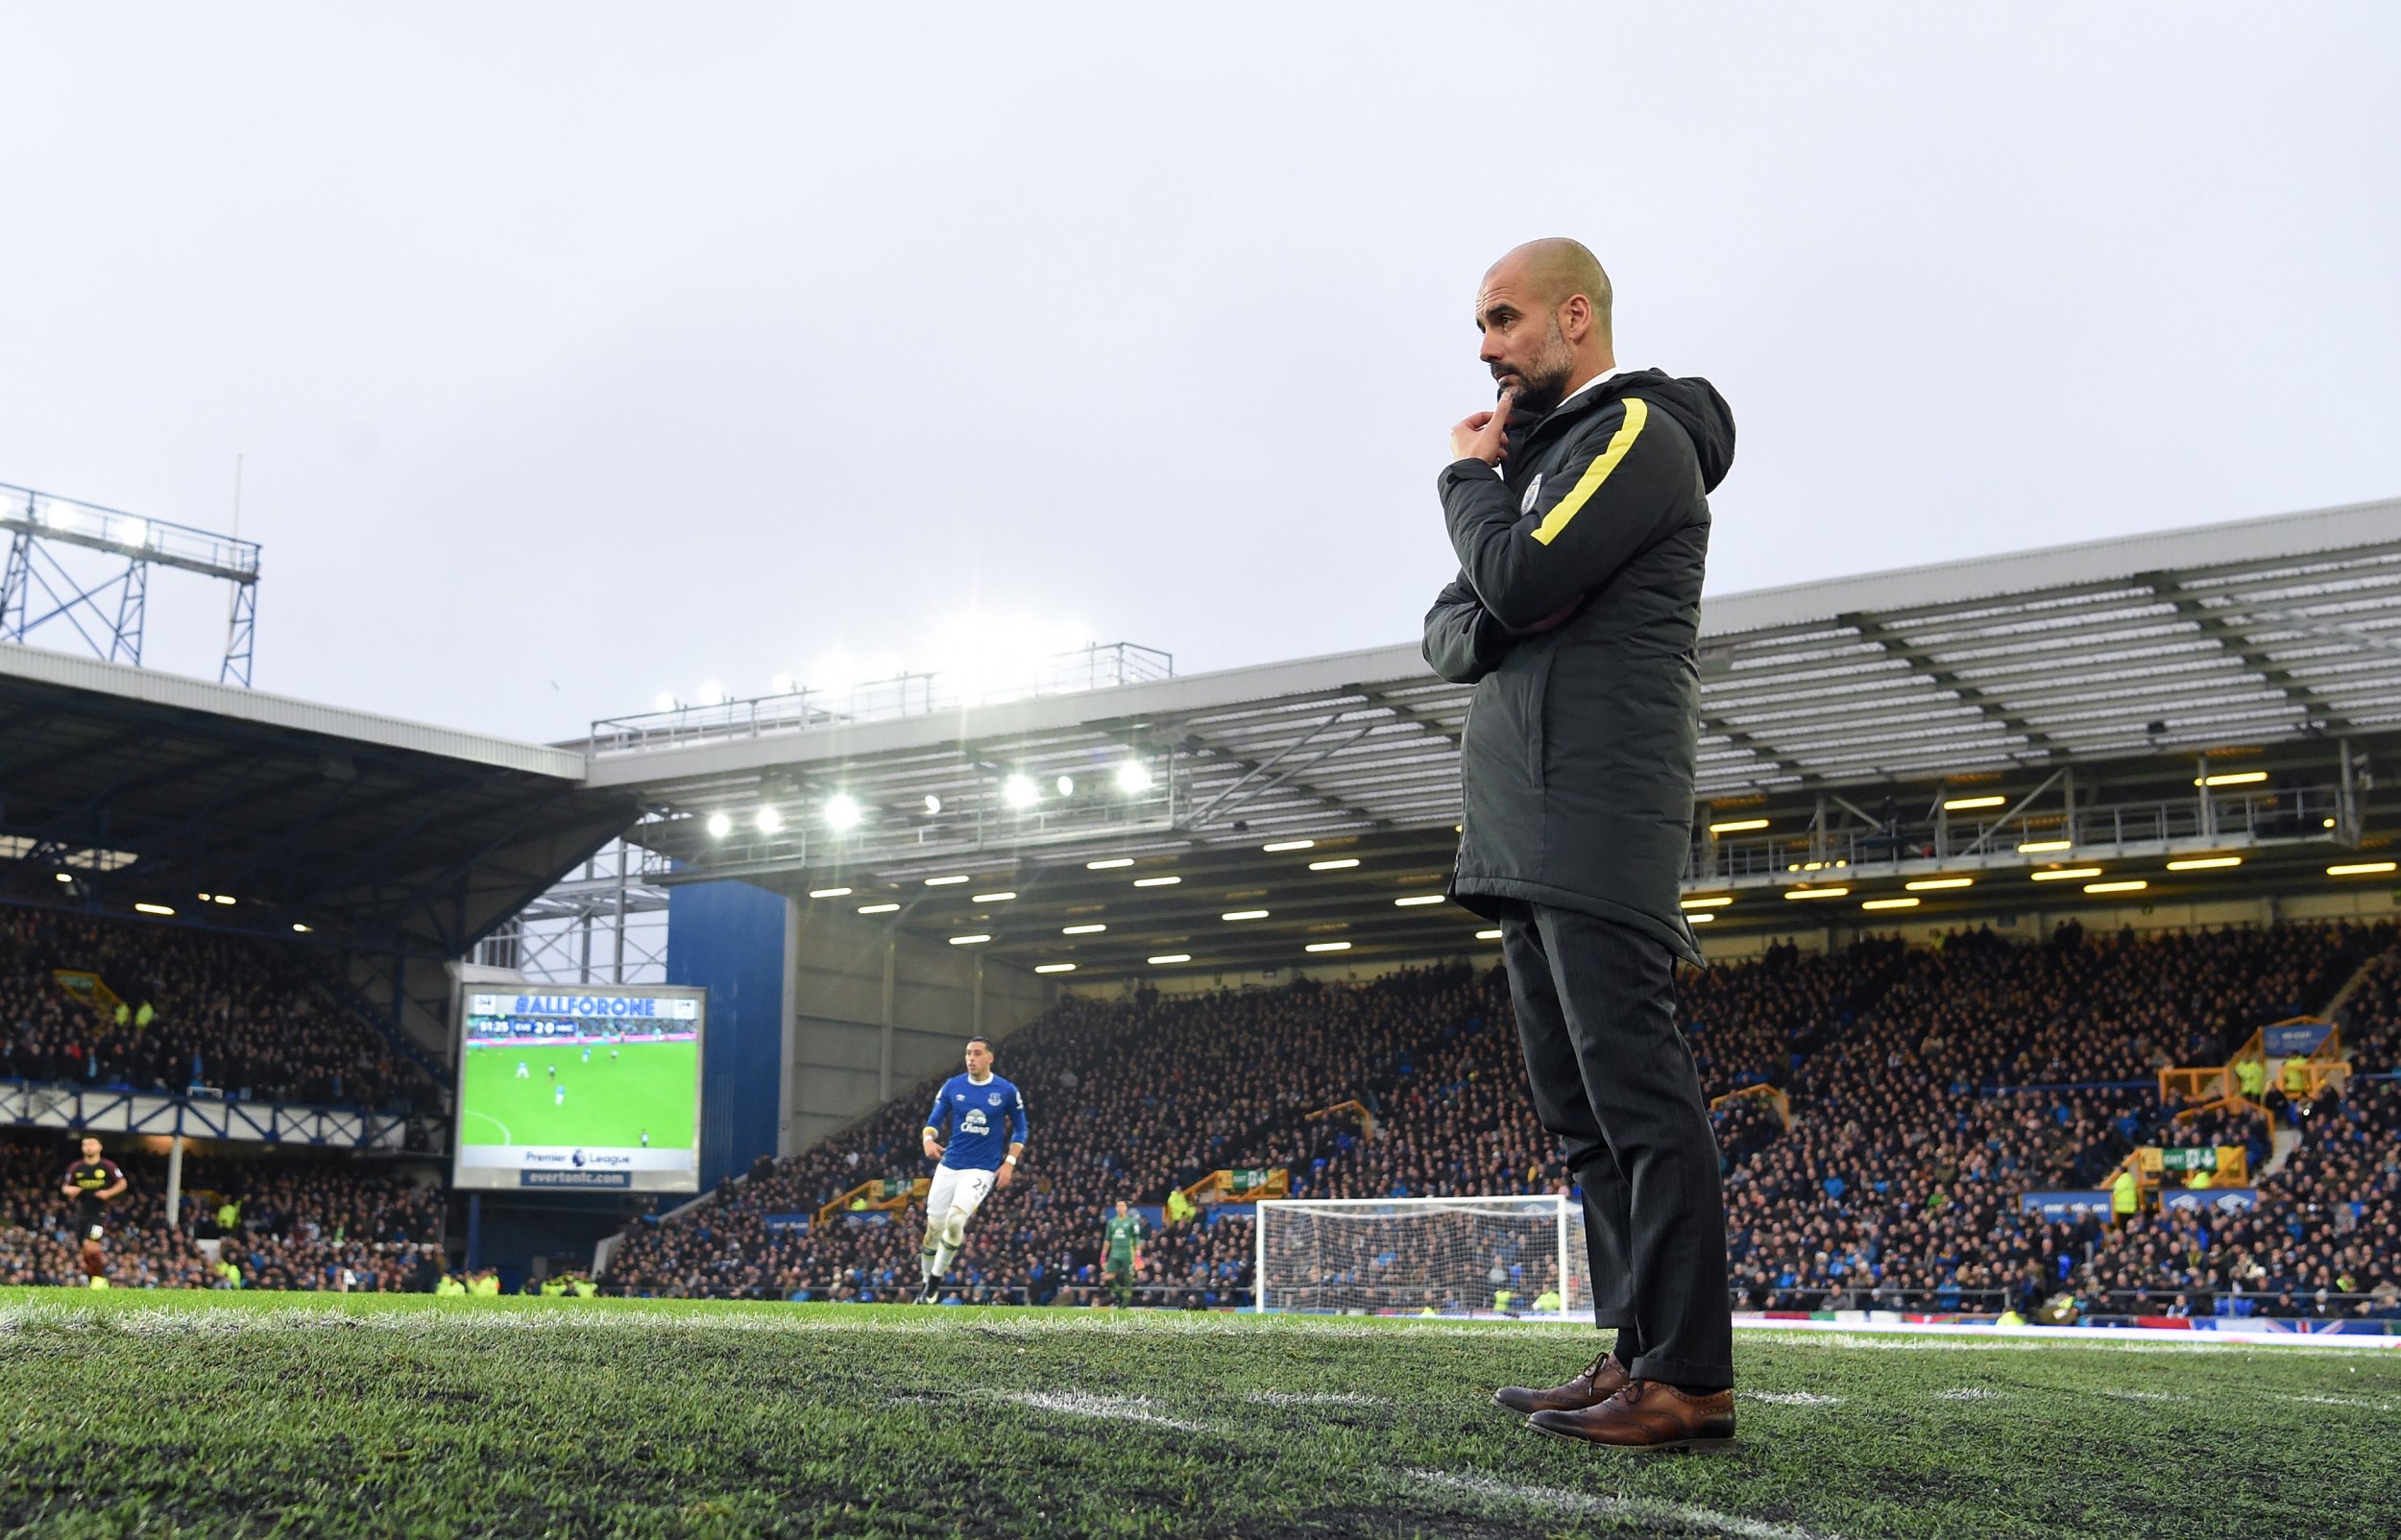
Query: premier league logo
(576, 1159)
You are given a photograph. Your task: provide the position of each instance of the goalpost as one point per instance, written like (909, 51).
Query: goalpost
(1467, 1255)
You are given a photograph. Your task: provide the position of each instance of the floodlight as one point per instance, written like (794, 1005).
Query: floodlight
(1067, 786)
(1816, 893)
(951, 881)
(842, 811)
(2204, 863)
(1133, 778)
(829, 893)
(663, 701)
(783, 684)
(1717, 902)
(933, 805)
(1157, 882)
(2132, 885)
(1738, 826)
(1109, 864)
(2036, 847)
(153, 908)
(720, 824)
(977, 940)
(1244, 914)
(768, 820)
(1889, 903)
(2237, 778)
(1487, 935)
(878, 908)
(1327, 945)
(1165, 958)
(1020, 791)
(1055, 968)
(1931, 884)
(1699, 917)
(224, 898)
(1961, 804)
(63, 877)
(298, 928)
(1342, 865)
(2066, 874)
(713, 694)
(1415, 899)
(992, 898)
(1282, 844)
(2359, 868)
(1083, 930)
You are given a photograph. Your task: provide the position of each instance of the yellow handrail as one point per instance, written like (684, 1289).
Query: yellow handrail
(1765, 1093)
(880, 1194)
(1355, 1106)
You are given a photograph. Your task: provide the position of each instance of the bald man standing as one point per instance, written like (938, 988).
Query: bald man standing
(1579, 510)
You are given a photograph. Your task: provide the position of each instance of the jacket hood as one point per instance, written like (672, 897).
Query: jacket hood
(1697, 408)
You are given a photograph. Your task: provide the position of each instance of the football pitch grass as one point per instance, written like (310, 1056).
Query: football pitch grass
(608, 1102)
(303, 1414)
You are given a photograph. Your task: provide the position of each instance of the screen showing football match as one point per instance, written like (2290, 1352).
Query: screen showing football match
(595, 1086)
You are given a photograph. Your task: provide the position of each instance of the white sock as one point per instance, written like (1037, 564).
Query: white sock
(942, 1255)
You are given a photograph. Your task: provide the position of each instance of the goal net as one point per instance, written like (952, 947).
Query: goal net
(1470, 1256)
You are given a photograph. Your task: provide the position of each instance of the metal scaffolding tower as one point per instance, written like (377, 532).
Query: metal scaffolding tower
(49, 579)
(604, 923)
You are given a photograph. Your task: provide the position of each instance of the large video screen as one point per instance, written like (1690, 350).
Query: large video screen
(593, 1087)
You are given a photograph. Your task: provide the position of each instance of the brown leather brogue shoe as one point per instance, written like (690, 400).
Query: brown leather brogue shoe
(1604, 1379)
(1647, 1415)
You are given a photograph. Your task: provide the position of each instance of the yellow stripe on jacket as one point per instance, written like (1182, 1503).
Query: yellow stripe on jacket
(1638, 413)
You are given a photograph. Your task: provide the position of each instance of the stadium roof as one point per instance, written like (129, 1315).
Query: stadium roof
(2124, 657)
(143, 787)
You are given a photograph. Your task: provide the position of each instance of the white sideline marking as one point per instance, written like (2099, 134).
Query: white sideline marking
(2337, 1401)
(1084, 1404)
(1968, 1393)
(2139, 1395)
(1883, 1334)
(1642, 1509)
(1790, 1397)
(1313, 1398)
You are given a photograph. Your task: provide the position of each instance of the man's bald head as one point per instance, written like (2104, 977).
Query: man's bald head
(1556, 269)
(1544, 312)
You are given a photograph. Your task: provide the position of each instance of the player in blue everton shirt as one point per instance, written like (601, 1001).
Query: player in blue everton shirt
(974, 1108)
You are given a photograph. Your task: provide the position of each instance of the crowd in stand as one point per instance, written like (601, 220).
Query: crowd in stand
(268, 1221)
(181, 1008)
(1927, 1089)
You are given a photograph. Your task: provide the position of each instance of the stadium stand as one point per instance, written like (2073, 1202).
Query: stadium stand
(182, 1008)
(297, 1222)
(1929, 1088)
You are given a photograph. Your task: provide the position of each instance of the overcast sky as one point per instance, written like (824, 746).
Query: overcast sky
(577, 353)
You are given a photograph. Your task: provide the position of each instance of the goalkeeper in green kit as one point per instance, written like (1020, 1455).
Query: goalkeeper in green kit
(1123, 1236)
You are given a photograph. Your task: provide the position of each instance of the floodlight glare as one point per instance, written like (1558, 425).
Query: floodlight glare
(1487, 935)
(933, 805)
(713, 694)
(1083, 930)
(829, 893)
(63, 876)
(720, 824)
(1167, 957)
(1327, 945)
(1067, 786)
(1020, 791)
(1055, 968)
(1132, 778)
(783, 684)
(770, 821)
(665, 701)
(842, 811)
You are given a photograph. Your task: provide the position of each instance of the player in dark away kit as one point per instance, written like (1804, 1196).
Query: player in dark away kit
(93, 1182)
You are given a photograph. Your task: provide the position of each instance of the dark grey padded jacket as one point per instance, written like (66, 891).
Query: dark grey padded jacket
(1576, 614)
